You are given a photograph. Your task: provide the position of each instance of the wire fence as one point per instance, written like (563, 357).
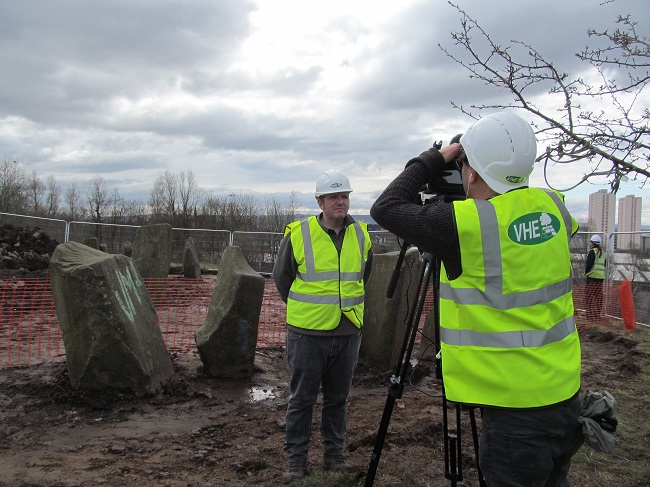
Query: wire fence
(29, 328)
(30, 332)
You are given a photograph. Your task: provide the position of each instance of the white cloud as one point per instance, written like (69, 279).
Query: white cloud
(256, 96)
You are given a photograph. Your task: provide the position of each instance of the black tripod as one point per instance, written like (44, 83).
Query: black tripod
(453, 453)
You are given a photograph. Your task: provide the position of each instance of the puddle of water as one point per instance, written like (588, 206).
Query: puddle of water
(261, 393)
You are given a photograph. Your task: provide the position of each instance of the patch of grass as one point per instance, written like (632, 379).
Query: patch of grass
(627, 465)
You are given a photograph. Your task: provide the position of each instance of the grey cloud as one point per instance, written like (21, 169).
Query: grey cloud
(75, 55)
(73, 64)
(412, 71)
(289, 82)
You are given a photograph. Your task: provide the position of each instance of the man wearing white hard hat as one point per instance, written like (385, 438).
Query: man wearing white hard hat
(322, 267)
(508, 338)
(595, 274)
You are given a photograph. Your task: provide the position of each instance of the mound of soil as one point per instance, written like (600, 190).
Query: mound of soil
(24, 251)
(204, 431)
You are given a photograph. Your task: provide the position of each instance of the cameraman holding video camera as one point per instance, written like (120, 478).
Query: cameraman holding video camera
(508, 338)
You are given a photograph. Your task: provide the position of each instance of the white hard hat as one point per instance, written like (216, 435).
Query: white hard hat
(596, 239)
(501, 147)
(332, 181)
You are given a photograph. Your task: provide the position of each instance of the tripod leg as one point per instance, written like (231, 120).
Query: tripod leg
(453, 453)
(397, 381)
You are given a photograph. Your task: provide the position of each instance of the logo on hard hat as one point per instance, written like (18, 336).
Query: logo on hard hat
(336, 185)
(514, 179)
(534, 228)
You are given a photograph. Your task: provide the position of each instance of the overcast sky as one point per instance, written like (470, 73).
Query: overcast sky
(260, 96)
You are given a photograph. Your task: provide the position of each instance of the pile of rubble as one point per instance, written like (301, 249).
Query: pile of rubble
(24, 251)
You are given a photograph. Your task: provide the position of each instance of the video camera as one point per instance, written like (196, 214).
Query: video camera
(448, 185)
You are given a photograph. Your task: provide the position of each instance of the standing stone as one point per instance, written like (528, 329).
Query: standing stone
(108, 322)
(152, 250)
(228, 338)
(92, 242)
(128, 249)
(384, 325)
(191, 265)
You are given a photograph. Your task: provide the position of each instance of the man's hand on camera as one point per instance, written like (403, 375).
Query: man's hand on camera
(451, 152)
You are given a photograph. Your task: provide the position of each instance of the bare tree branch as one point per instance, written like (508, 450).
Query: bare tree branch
(612, 140)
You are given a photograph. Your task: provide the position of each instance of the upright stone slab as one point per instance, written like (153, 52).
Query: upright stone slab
(92, 242)
(384, 322)
(152, 250)
(128, 249)
(191, 265)
(228, 338)
(108, 322)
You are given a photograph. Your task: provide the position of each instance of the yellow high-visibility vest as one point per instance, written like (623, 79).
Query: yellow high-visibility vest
(598, 269)
(327, 284)
(508, 335)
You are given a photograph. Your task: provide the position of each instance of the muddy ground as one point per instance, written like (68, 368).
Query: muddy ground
(206, 432)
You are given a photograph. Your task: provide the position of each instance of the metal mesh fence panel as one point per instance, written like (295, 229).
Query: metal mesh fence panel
(113, 239)
(29, 329)
(259, 248)
(383, 240)
(55, 229)
(209, 245)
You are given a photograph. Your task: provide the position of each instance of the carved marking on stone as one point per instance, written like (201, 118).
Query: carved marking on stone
(128, 286)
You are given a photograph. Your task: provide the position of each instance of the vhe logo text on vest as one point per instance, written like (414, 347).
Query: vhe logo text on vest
(534, 228)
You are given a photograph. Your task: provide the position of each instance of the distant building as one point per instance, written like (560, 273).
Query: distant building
(629, 220)
(602, 207)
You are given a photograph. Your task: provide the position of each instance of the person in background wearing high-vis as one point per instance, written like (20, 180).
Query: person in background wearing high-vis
(321, 271)
(595, 274)
(508, 337)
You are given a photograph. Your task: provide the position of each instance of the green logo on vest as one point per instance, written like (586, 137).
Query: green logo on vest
(534, 228)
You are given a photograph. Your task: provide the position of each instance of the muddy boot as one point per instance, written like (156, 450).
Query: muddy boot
(294, 472)
(335, 463)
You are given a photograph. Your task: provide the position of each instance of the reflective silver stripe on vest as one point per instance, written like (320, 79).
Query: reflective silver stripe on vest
(310, 275)
(493, 295)
(313, 299)
(509, 339)
(349, 302)
(329, 299)
(318, 276)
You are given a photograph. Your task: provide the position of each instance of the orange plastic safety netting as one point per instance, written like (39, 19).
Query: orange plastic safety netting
(30, 333)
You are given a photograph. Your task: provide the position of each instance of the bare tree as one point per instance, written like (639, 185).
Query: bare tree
(135, 212)
(170, 195)
(36, 191)
(73, 209)
(294, 204)
(155, 202)
(242, 211)
(187, 192)
(277, 215)
(163, 200)
(210, 210)
(52, 197)
(612, 139)
(273, 218)
(97, 198)
(13, 187)
(117, 207)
